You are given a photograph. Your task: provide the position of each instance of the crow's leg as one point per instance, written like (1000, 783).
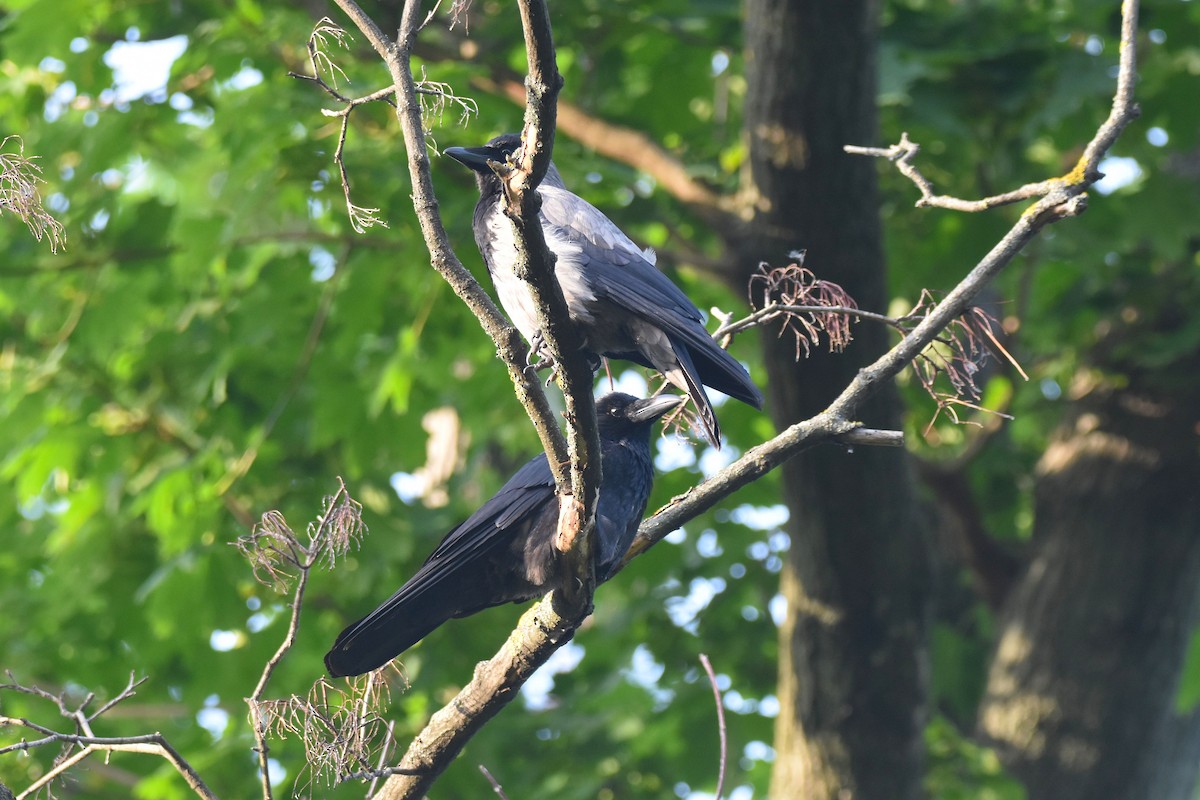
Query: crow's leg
(539, 357)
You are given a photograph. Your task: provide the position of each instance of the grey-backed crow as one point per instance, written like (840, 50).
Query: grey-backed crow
(505, 551)
(626, 308)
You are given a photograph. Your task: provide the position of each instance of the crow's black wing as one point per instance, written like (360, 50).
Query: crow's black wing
(611, 267)
(601, 245)
(451, 582)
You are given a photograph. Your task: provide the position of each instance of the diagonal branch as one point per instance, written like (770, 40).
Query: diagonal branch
(1067, 199)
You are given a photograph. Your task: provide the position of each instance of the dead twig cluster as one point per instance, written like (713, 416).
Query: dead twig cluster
(19, 194)
(805, 306)
(279, 558)
(957, 356)
(435, 98)
(809, 308)
(344, 733)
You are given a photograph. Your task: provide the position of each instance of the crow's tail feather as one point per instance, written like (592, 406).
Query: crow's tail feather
(386, 633)
(721, 371)
(692, 384)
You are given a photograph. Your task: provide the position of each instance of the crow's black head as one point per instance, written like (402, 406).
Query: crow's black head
(620, 414)
(498, 151)
(477, 158)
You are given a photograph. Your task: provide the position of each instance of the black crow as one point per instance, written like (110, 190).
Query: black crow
(625, 307)
(504, 553)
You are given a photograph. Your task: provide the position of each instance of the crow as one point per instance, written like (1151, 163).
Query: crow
(625, 307)
(504, 553)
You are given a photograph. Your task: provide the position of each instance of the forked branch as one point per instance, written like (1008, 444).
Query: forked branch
(83, 742)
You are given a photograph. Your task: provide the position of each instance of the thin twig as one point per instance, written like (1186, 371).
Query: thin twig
(902, 155)
(152, 744)
(384, 752)
(124, 694)
(871, 437)
(712, 679)
(773, 311)
(495, 783)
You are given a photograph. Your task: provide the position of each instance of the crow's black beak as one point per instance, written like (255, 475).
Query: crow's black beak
(475, 158)
(652, 408)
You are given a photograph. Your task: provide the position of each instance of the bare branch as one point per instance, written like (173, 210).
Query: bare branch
(1067, 200)
(1067, 191)
(496, 787)
(579, 490)
(321, 63)
(541, 630)
(84, 738)
(902, 155)
(151, 744)
(871, 437)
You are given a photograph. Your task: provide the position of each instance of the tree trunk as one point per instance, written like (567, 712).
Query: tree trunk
(1081, 694)
(852, 664)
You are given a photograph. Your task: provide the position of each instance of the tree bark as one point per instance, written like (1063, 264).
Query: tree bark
(1081, 693)
(852, 664)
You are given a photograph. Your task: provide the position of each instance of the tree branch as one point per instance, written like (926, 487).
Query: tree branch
(151, 743)
(1068, 189)
(712, 679)
(902, 155)
(509, 346)
(579, 488)
(1068, 198)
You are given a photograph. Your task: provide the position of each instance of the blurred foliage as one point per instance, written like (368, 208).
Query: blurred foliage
(216, 342)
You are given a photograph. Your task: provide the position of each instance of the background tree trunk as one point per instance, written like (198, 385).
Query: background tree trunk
(1081, 695)
(852, 660)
